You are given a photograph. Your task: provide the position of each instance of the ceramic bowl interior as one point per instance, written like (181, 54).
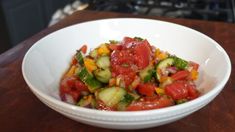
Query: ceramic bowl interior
(46, 61)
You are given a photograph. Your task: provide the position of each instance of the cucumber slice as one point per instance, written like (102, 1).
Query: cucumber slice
(84, 75)
(181, 101)
(111, 96)
(164, 64)
(128, 98)
(146, 74)
(94, 53)
(89, 79)
(87, 101)
(134, 95)
(79, 57)
(175, 61)
(180, 63)
(93, 84)
(103, 75)
(103, 62)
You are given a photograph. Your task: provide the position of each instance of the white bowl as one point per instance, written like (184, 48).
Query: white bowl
(47, 60)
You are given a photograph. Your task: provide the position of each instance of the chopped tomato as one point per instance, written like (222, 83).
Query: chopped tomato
(149, 104)
(122, 64)
(142, 54)
(129, 78)
(67, 84)
(147, 89)
(74, 61)
(193, 93)
(180, 75)
(80, 86)
(84, 49)
(194, 65)
(75, 95)
(115, 47)
(73, 87)
(122, 57)
(127, 42)
(177, 90)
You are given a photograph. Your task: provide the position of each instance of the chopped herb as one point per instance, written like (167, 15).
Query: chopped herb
(138, 38)
(113, 41)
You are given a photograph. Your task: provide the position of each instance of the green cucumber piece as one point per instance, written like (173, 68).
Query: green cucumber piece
(94, 53)
(84, 75)
(181, 101)
(87, 101)
(134, 95)
(103, 75)
(128, 98)
(93, 85)
(111, 96)
(171, 61)
(79, 57)
(103, 62)
(164, 64)
(146, 74)
(180, 63)
(89, 79)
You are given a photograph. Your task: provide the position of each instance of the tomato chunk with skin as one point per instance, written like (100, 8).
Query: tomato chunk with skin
(80, 86)
(177, 90)
(84, 49)
(180, 75)
(193, 93)
(73, 87)
(127, 42)
(194, 65)
(149, 104)
(147, 89)
(122, 64)
(115, 46)
(142, 54)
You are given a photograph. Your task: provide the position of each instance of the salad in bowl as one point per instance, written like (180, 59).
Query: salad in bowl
(128, 75)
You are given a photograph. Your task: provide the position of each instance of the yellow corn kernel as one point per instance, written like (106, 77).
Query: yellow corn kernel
(194, 74)
(160, 91)
(103, 50)
(90, 64)
(71, 71)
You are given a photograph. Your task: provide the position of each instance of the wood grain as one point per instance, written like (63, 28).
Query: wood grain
(20, 110)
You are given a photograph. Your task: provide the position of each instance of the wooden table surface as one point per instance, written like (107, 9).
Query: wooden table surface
(20, 110)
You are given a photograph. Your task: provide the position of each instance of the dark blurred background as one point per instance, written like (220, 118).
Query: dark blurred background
(20, 19)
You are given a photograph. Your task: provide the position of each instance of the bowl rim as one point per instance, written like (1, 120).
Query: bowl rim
(187, 105)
